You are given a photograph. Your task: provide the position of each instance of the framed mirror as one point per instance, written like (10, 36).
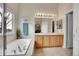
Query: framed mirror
(59, 24)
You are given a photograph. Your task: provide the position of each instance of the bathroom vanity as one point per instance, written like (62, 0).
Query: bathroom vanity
(48, 40)
(48, 32)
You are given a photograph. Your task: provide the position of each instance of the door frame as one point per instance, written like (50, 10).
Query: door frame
(65, 37)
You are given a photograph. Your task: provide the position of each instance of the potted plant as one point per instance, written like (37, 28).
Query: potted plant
(18, 33)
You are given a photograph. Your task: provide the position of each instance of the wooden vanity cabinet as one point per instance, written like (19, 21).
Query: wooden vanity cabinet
(46, 40)
(38, 41)
(56, 40)
(52, 41)
(42, 41)
(61, 37)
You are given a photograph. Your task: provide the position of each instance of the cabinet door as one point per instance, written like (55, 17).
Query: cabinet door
(53, 40)
(46, 39)
(61, 40)
(56, 40)
(38, 41)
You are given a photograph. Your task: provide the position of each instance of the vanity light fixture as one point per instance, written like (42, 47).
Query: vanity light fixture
(45, 15)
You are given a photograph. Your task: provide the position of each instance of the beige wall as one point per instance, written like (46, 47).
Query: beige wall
(28, 11)
(63, 8)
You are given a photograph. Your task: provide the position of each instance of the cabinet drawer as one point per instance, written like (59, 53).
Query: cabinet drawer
(56, 40)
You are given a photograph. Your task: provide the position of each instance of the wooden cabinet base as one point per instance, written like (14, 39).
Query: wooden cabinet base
(46, 41)
(38, 41)
(43, 41)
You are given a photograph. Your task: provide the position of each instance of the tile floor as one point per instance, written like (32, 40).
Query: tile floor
(55, 51)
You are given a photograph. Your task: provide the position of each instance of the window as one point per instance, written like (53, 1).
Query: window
(1, 20)
(9, 20)
(25, 28)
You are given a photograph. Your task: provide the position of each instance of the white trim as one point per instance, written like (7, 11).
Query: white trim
(69, 11)
(64, 27)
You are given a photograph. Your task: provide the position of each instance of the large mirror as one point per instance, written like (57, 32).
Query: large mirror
(44, 25)
(38, 22)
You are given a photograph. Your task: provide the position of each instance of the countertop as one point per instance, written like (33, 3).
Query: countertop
(49, 34)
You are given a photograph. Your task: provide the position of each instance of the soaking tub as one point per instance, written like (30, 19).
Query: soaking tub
(19, 47)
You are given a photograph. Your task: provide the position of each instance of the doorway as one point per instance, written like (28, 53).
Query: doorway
(69, 30)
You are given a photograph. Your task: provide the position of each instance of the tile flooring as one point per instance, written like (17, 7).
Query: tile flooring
(54, 51)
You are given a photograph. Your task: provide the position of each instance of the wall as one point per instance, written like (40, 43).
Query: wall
(12, 35)
(62, 10)
(44, 26)
(76, 30)
(28, 11)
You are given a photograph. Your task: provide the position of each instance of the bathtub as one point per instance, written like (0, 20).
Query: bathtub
(19, 47)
